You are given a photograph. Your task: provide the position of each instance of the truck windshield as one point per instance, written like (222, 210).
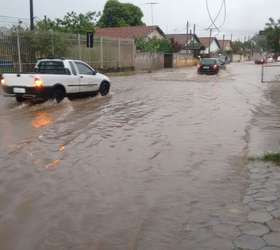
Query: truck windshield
(51, 67)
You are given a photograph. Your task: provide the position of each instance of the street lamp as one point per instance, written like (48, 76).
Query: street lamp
(31, 15)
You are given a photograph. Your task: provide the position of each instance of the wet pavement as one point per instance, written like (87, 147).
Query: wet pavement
(158, 164)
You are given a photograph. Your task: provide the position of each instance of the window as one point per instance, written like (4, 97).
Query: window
(84, 69)
(73, 68)
(51, 67)
(208, 61)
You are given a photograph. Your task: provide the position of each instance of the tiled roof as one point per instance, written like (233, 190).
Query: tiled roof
(205, 41)
(181, 39)
(128, 32)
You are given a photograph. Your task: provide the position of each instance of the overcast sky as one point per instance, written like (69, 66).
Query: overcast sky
(244, 17)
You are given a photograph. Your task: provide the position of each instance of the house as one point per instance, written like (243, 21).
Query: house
(212, 42)
(226, 45)
(184, 43)
(131, 32)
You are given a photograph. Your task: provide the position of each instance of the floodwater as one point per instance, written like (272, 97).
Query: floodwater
(153, 166)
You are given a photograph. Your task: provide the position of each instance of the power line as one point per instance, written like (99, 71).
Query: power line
(225, 14)
(13, 17)
(214, 20)
(210, 16)
(152, 10)
(218, 14)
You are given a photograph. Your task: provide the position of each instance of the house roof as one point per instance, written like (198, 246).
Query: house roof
(205, 41)
(128, 32)
(182, 39)
(225, 43)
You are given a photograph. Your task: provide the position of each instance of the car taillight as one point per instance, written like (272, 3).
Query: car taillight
(198, 66)
(38, 83)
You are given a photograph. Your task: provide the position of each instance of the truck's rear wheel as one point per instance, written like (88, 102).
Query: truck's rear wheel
(59, 94)
(104, 88)
(20, 99)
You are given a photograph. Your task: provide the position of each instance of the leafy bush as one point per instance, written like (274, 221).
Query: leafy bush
(154, 45)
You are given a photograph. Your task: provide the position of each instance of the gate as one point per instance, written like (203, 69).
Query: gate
(270, 73)
(168, 60)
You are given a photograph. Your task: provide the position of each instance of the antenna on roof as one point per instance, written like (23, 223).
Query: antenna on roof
(152, 10)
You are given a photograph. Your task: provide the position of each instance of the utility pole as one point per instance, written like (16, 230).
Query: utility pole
(18, 46)
(152, 10)
(210, 38)
(187, 36)
(31, 15)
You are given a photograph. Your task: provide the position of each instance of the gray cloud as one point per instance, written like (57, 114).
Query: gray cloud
(244, 18)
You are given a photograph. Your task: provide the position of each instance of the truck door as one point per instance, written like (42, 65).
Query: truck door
(88, 80)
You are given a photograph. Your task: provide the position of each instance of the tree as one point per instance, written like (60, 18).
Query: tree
(237, 47)
(70, 23)
(116, 14)
(272, 34)
(154, 45)
(260, 42)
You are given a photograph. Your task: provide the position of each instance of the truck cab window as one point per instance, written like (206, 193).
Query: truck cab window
(84, 69)
(50, 67)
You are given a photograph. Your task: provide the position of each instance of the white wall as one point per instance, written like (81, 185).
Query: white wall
(155, 34)
(213, 48)
(149, 61)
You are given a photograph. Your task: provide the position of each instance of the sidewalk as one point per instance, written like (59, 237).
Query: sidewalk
(262, 199)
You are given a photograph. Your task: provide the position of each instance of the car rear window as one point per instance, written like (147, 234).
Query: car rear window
(51, 67)
(208, 61)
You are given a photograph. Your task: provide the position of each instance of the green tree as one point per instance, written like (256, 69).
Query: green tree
(272, 34)
(154, 45)
(70, 23)
(260, 42)
(237, 47)
(116, 14)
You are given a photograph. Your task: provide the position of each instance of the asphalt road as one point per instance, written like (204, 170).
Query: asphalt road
(155, 165)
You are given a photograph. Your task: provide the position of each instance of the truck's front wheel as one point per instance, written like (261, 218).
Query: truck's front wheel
(104, 88)
(59, 94)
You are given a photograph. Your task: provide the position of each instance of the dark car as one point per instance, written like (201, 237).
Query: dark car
(260, 61)
(208, 66)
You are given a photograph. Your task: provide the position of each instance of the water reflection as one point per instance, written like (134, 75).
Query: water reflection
(42, 119)
(53, 165)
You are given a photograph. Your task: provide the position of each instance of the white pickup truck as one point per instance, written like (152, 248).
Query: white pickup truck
(56, 79)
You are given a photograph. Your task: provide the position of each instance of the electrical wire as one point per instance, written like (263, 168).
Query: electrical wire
(213, 20)
(223, 6)
(225, 14)
(13, 17)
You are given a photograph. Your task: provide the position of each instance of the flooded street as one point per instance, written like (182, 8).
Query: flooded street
(157, 165)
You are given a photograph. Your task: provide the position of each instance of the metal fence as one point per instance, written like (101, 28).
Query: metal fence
(19, 51)
(270, 73)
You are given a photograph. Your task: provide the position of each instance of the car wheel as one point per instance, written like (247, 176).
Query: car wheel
(104, 88)
(20, 99)
(58, 94)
